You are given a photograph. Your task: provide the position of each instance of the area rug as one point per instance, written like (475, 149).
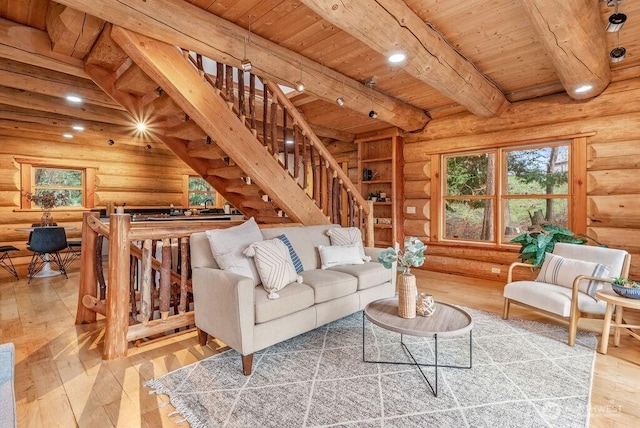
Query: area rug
(523, 374)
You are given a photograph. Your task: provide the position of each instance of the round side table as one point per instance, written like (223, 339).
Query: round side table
(615, 300)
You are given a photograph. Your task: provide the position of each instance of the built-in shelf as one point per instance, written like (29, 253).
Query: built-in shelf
(382, 226)
(385, 159)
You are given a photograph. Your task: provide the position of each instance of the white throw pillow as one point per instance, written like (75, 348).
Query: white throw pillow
(274, 265)
(228, 244)
(562, 271)
(335, 255)
(346, 236)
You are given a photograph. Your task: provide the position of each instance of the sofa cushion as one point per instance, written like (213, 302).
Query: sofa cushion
(293, 298)
(228, 244)
(346, 236)
(563, 271)
(329, 284)
(274, 264)
(304, 240)
(334, 255)
(368, 274)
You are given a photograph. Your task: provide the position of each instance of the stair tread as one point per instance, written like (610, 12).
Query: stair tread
(187, 130)
(163, 107)
(135, 81)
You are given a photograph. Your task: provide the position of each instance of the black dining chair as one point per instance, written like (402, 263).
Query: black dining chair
(46, 244)
(5, 259)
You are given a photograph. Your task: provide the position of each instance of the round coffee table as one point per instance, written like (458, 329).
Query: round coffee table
(447, 321)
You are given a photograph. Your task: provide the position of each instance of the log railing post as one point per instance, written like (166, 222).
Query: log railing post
(88, 277)
(368, 234)
(165, 279)
(117, 323)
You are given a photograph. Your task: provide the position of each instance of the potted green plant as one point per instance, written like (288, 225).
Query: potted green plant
(535, 243)
(411, 255)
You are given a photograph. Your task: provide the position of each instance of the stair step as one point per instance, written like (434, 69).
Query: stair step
(163, 107)
(228, 172)
(188, 130)
(258, 204)
(200, 149)
(265, 218)
(135, 81)
(244, 189)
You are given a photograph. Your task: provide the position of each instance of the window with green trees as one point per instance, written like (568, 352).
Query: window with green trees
(200, 192)
(60, 181)
(494, 195)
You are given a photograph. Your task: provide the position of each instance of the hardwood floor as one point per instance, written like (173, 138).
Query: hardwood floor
(61, 379)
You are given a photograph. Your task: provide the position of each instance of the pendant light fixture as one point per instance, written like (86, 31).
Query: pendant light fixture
(245, 63)
(616, 20)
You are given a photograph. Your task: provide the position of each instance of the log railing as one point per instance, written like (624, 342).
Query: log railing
(135, 306)
(282, 130)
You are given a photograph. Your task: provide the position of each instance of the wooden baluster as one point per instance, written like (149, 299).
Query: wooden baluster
(229, 83)
(296, 152)
(285, 148)
(146, 308)
(368, 237)
(350, 219)
(314, 175)
(305, 164)
(274, 127)
(329, 185)
(100, 268)
(337, 198)
(199, 62)
(252, 103)
(133, 267)
(219, 75)
(241, 110)
(165, 279)
(321, 182)
(184, 273)
(265, 116)
(87, 271)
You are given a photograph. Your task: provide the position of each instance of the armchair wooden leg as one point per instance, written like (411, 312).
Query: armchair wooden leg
(573, 330)
(247, 364)
(203, 337)
(505, 310)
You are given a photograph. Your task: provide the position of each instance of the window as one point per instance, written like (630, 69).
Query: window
(493, 195)
(201, 192)
(76, 180)
(68, 182)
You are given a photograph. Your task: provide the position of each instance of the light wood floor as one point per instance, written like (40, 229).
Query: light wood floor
(61, 379)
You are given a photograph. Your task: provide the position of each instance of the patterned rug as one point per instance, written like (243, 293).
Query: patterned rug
(523, 374)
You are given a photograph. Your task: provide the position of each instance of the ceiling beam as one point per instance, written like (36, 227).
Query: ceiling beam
(573, 36)
(185, 25)
(387, 26)
(29, 45)
(72, 32)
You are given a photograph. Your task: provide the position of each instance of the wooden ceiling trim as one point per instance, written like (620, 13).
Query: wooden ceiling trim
(221, 41)
(389, 25)
(32, 46)
(72, 32)
(574, 37)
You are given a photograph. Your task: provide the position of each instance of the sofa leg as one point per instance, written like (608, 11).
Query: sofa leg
(247, 364)
(203, 337)
(505, 310)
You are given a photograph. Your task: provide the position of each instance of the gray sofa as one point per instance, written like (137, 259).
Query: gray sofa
(229, 307)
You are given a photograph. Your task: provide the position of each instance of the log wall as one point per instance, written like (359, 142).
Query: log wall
(126, 172)
(612, 210)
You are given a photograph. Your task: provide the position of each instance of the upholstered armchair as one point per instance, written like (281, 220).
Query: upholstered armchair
(566, 284)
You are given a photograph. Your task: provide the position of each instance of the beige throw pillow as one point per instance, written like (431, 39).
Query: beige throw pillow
(563, 271)
(347, 236)
(336, 255)
(274, 265)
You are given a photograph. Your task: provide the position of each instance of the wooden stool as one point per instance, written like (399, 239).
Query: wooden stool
(5, 259)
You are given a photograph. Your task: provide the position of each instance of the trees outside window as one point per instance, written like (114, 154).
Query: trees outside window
(67, 182)
(200, 192)
(507, 190)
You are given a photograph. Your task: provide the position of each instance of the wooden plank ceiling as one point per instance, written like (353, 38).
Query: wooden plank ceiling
(471, 54)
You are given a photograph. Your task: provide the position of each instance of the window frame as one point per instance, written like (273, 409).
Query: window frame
(219, 200)
(27, 166)
(576, 187)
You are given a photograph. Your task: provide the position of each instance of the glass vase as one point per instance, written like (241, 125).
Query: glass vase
(46, 219)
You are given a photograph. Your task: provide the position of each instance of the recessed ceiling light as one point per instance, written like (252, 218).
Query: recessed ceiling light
(340, 101)
(289, 142)
(582, 89)
(74, 98)
(141, 126)
(67, 135)
(397, 57)
(78, 128)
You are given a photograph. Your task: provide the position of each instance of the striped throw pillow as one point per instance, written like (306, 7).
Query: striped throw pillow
(562, 271)
(274, 265)
(294, 256)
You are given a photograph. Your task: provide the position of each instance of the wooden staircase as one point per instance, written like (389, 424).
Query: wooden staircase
(234, 137)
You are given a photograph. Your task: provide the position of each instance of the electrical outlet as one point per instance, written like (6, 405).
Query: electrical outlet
(495, 270)
(411, 210)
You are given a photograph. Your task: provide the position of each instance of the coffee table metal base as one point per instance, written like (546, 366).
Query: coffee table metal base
(434, 386)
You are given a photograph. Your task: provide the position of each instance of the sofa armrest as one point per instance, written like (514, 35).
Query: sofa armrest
(515, 265)
(224, 307)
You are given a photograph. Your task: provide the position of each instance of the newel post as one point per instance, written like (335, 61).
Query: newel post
(368, 227)
(115, 336)
(88, 277)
